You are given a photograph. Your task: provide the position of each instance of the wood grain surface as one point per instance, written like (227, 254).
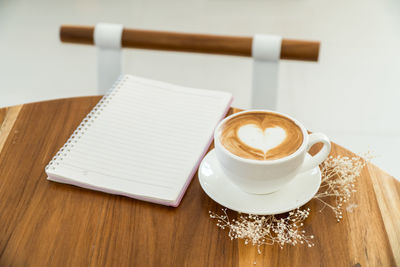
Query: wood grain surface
(192, 42)
(43, 223)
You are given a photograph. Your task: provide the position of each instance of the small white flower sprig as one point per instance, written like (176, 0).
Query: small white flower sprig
(266, 230)
(338, 177)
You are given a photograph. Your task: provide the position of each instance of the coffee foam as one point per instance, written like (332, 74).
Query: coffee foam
(253, 136)
(261, 135)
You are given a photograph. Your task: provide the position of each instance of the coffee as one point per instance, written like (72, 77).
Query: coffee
(261, 135)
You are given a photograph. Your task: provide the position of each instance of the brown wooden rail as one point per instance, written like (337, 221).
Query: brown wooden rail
(189, 42)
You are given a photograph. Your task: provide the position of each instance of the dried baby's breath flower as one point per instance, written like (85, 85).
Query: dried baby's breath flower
(338, 176)
(266, 230)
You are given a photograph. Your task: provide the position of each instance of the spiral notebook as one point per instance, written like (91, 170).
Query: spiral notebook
(144, 139)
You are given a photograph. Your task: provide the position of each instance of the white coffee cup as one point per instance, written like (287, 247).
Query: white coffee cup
(267, 176)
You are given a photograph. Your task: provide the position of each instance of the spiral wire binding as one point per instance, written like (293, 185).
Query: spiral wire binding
(86, 123)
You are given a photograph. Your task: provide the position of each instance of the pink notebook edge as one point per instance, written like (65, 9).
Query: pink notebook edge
(193, 172)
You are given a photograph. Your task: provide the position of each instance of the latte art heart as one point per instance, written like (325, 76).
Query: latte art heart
(261, 135)
(253, 136)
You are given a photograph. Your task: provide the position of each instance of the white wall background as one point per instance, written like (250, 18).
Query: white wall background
(352, 94)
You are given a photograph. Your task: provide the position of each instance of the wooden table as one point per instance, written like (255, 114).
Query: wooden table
(43, 223)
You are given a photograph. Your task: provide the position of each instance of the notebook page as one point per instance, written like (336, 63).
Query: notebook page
(145, 142)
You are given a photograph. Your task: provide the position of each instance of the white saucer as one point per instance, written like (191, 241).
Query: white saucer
(218, 187)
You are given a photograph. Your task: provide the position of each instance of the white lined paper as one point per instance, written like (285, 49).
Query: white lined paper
(143, 141)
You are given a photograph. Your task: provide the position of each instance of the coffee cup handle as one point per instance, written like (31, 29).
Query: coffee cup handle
(314, 161)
